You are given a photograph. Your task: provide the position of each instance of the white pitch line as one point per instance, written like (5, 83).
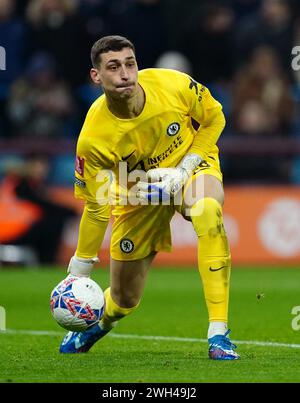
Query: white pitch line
(144, 337)
(194, 340)
(32, 332)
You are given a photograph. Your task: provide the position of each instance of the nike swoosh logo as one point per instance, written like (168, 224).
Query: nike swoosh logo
(128, 156)
(219, 268)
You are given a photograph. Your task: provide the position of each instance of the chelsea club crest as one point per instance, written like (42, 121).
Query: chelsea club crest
(173, 129)
(126, 245)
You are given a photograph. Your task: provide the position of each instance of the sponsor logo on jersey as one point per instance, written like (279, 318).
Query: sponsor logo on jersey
(173, 129)
(126, 245)
(153, 162)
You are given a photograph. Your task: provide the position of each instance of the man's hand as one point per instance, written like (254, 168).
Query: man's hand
(166, 182)
(81, 267)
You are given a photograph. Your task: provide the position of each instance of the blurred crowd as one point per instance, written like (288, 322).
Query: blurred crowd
(240, 49)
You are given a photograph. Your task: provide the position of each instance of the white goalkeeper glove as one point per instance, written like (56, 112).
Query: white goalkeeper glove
(81, 267)
(166, 182)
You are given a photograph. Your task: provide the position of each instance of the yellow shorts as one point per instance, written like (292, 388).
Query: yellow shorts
(140, 230)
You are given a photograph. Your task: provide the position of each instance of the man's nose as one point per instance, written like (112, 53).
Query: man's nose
(124, 73)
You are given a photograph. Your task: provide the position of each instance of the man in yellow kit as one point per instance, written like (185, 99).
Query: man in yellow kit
(166, 125)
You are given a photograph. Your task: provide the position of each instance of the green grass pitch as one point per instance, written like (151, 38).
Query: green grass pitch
(173, 308)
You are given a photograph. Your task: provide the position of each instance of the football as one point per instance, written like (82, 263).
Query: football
(77, 303)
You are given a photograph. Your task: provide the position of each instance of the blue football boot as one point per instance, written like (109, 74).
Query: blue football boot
(81, 342)
(221, 348)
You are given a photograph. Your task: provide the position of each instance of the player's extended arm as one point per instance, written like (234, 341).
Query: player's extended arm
(210, 130)
(166, 182)
(92, 229)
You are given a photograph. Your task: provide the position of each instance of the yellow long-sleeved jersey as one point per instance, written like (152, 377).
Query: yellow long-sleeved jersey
(180, 116)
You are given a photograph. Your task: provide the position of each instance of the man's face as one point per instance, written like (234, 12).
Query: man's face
(117, 73)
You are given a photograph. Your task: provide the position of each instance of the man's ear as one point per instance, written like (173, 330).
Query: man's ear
(95, 76)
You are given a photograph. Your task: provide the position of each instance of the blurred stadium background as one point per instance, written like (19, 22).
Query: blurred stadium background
(242, 50)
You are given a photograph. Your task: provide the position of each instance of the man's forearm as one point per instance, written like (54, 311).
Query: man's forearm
(92, 229)
(207, 136)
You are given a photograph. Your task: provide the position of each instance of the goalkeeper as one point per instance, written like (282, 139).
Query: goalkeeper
(163, 126)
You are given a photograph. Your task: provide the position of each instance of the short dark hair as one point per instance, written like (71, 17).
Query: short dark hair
(114, 43)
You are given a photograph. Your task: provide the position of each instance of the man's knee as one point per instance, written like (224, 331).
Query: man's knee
(206, 216)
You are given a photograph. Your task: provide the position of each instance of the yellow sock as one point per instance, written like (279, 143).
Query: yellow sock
(214, 260)
(113, 312)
